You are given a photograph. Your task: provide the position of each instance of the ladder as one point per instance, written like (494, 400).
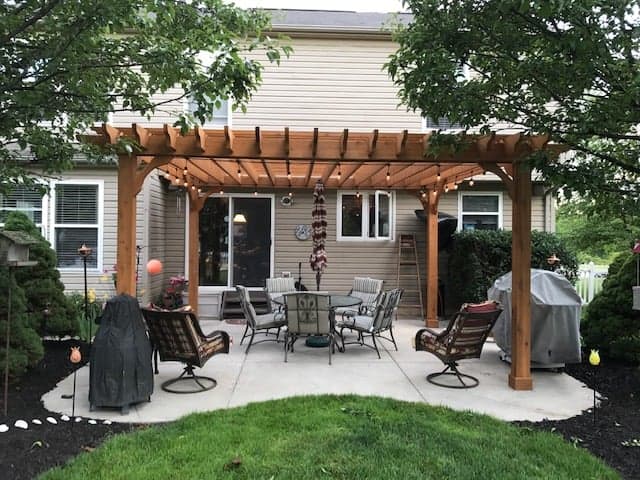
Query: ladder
(409, 274)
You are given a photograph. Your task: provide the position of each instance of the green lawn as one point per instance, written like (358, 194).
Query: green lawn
(345, 437)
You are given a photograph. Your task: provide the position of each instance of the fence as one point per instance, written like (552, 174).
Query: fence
(590, 278)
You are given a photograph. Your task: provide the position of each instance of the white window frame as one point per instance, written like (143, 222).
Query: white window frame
(100, 225)
(462, 213)
(204, 289)
(365, 216)
(211, 123)
(44, 216)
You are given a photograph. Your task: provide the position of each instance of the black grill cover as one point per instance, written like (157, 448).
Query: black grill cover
(121, 371)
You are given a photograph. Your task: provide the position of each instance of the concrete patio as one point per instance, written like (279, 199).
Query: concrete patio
(263, 375)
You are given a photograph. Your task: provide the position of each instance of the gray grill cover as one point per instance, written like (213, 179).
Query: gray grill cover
(555, 317)
(121, 371)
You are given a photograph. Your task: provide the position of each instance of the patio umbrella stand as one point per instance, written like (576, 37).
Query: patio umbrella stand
(318, 258)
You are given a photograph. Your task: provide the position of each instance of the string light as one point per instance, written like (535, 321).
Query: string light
(339, 172)
(193, 187)
(471, 182)
(199, 190)
(166, 175)
(291, 194)
(177, 180)
(438, 173)
(357, 194)
(255, 192)
(388, 173)
(434, 191)
(186, 184)
(185, 172)
(288, 171)
(446, 188)
(221, 192)
(455, 186)
(423, 193)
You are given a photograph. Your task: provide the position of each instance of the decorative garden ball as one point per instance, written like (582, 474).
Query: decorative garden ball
(154, 266)
(75, 356)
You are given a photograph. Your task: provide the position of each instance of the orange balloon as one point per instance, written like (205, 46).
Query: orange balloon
(154, 266)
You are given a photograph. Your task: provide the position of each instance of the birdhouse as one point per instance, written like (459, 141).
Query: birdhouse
(14, 249)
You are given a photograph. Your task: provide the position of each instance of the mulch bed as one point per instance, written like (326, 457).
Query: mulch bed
(26, 453)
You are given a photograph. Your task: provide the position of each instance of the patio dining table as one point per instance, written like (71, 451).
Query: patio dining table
(335, 301)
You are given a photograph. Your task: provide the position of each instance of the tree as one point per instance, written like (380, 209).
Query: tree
(65, 65)
(567, 68)
(595, 237)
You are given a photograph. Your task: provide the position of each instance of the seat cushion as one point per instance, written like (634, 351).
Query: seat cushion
(270, 320)
(358, 322)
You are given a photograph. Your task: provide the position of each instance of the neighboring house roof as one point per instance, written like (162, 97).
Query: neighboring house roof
(335, 21)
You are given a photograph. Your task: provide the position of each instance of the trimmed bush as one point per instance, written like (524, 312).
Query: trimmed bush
(477, 258)
(42, 285)
(25, 346)
(609, 323)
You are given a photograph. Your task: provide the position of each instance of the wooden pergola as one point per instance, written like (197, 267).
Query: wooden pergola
(203, 161)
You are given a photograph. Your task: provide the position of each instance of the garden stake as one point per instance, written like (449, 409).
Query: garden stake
(74, 357)
(594, 359)
(6, 364)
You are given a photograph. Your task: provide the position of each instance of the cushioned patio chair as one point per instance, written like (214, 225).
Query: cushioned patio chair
(307, 314)
(276, 287)
(177, 337)
(258, 323)
(368, 290)
(463, 338)
(374, 325)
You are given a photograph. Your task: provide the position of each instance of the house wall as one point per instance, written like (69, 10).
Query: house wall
(330, 83)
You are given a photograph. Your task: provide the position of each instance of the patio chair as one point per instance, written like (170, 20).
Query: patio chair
(276, 287)
(463, 338)
(177, 337)
(368, 290)
(258, 323)
(374, 325)
(307, 314)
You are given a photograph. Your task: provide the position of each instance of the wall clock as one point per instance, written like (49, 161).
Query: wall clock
(303, 232)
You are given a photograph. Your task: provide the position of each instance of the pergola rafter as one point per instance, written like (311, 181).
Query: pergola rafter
(268, 159)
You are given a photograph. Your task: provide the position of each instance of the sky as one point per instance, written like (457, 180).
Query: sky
(348, 5)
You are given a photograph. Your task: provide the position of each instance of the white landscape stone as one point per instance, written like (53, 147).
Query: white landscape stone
(78, 419)
(64, 418)
(107, 422)
(92, 421)
(3, 428)
(21, 424)
(52, 420)
(36, 421)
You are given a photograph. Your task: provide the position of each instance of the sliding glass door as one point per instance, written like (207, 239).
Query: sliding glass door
(235, 241)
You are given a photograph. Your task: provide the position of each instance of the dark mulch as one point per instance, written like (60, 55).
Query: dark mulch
(25, 454)
(611, 432)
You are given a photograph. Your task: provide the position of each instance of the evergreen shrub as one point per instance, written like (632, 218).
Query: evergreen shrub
(477, 258)
(610, 325)
(42, 285)
(25, 346)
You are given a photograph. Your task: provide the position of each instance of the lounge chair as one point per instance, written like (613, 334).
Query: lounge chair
(463, 338)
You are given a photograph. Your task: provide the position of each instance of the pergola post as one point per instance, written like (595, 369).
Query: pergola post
(126, 256)
(430, 204)
(520, 376)
(195, 205)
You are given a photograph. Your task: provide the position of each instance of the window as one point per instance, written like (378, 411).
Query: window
(480, 211)
(220, 113)
(77, 213)
(365, 215)
(439, 124)
(26, 199)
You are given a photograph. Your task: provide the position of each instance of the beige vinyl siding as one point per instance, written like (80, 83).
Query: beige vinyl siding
(167, 113)
(331, 84)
